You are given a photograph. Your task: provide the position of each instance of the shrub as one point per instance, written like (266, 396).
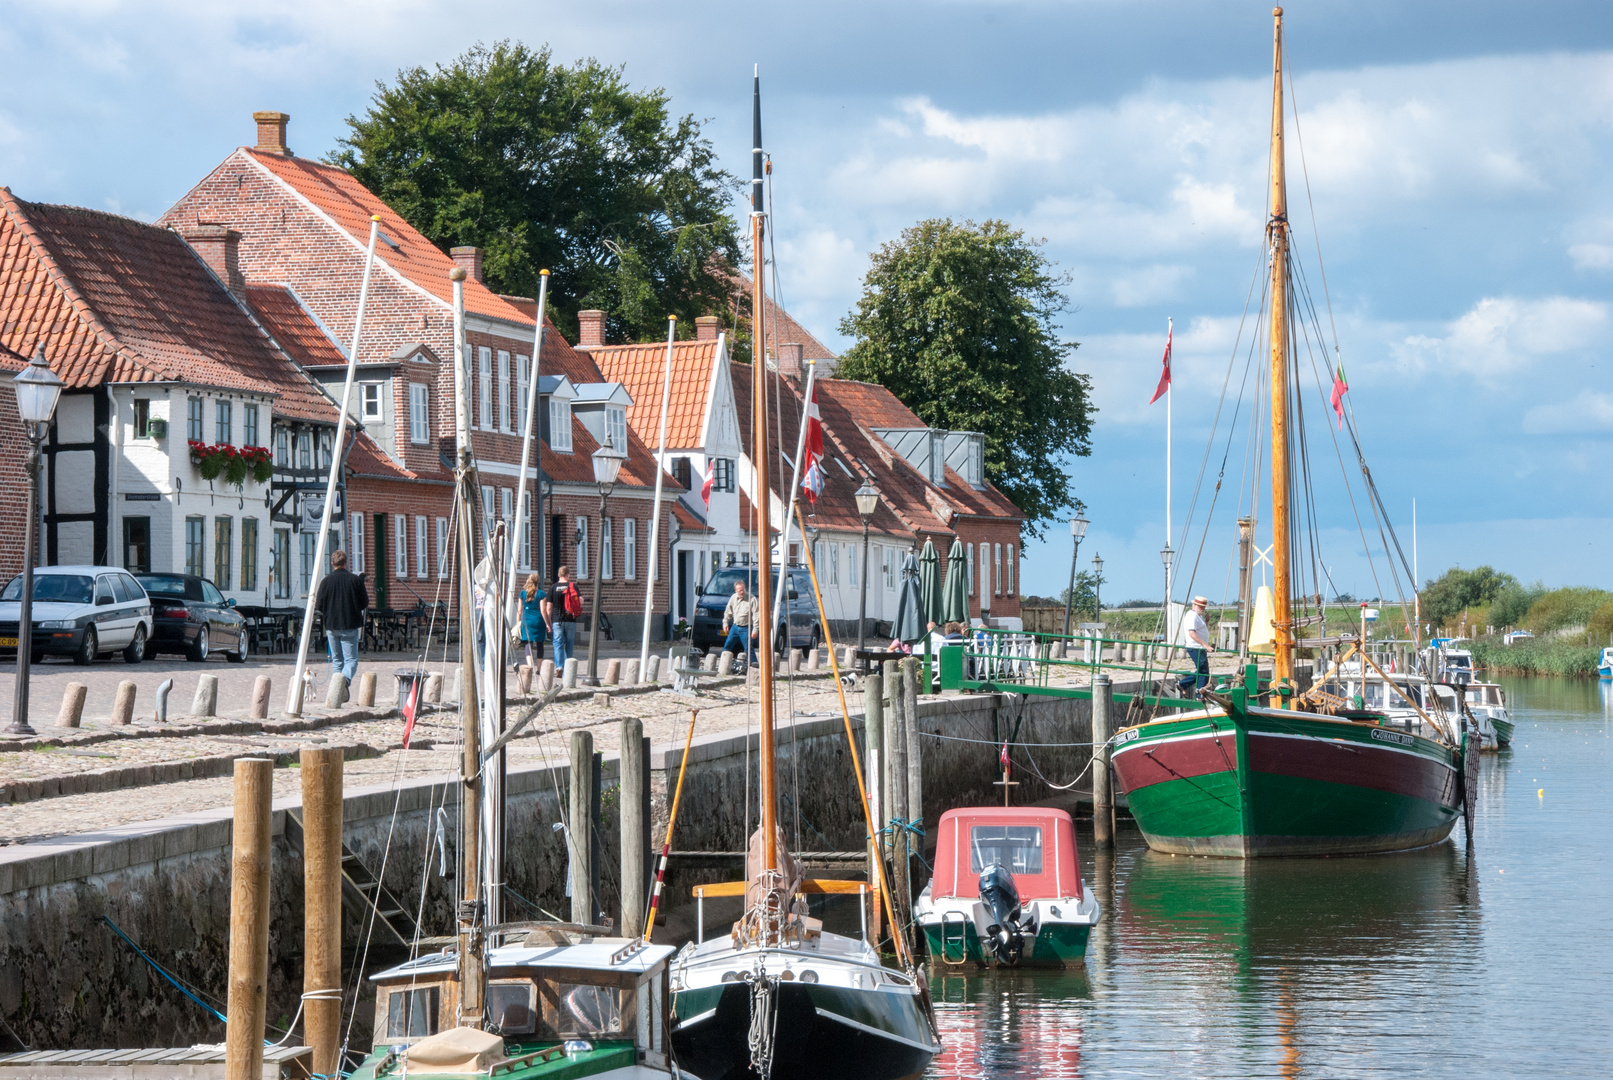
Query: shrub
(1601, 624)
(1562, 608)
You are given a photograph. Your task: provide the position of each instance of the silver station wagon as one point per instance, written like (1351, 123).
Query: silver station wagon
(85, 612)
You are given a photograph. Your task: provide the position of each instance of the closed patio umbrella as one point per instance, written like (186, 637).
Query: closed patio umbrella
(909, 624)
(930, 583)
(955, 590)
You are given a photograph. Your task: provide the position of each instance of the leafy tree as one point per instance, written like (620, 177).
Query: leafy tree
(957, 322)
(1561, 609)
(1086, 598)
(1512, 604)
(1445, 598)
(566, 168)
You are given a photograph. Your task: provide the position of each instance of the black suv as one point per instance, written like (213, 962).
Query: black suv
(799, 612)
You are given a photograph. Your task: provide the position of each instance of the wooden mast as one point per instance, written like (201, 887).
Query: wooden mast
(1277, 240)
(472, 975)
(761, 491)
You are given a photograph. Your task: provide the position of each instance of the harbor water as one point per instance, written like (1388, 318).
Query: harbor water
(1427, 963)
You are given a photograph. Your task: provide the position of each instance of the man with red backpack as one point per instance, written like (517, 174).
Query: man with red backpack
(561, 609)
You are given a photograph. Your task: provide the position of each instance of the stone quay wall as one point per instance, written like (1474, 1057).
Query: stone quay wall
(67, 981)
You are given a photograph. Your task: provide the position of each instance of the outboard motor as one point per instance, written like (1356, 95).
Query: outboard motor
(1009, 928)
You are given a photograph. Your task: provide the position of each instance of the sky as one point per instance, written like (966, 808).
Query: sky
(1455, 171)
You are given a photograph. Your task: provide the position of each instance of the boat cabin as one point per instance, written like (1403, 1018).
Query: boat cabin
(608, 993)
(1036, 844)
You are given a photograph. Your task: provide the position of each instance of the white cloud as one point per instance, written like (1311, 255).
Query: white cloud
(1588, 411)
(1501, 336)
(1591, 256)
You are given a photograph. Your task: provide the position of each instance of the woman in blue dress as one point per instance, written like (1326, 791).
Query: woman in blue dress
(533, 629)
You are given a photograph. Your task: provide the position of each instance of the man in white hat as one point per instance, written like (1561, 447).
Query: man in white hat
(1195, 638)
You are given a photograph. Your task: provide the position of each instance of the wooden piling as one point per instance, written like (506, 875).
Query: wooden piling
(322, 905)
(874, 743)
(249, 920)
(579, 844)
(910, 731)
(1103, 810)
(635, 844)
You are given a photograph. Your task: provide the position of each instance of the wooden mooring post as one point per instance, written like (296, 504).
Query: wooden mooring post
(322, 905)
(1103, 809)
(249, 920)
(580, 842)
(874, 742)
(634, 821)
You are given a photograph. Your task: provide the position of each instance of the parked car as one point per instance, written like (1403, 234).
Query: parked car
(192, 617)
(800, 611)
(85, 612)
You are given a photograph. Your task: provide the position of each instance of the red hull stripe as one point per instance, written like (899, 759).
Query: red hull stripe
(1357, 764)
(1146, 764)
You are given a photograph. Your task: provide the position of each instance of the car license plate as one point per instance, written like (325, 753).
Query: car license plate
(8, 643)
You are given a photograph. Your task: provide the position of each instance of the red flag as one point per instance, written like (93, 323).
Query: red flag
(814, 433)
(1339, 388)
(711, 478)
(1164, 376)
(411, 707)
(1003, 757)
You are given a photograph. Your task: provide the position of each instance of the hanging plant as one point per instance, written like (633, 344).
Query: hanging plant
(260, 461)
(211, 463)
(236, 469)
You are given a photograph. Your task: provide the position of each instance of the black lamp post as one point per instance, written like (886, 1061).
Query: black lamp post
(1097, 584)
(607, 463)
(867, 498)
(38, 389)
(1078, 529)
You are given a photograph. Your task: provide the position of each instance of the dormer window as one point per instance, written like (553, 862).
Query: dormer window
(370, 402)
(616, 426)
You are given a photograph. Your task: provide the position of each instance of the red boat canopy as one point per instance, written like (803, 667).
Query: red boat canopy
(1037, 845)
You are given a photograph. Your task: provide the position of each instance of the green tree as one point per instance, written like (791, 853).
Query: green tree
(957, 322)
(1445, 598)
(565, 168)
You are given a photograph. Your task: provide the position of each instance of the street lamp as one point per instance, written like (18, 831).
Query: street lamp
(1165, 556)
(867, 498)
(1078, 529)
(38, 389)
(1097, 584)
(607, 463)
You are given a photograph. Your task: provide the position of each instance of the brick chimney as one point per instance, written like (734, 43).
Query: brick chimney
(790, 363)
(272, 132)
(220, 248)
(469, 259)
(706, 328)
(590, 329)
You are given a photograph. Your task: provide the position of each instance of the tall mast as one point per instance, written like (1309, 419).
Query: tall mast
(471, 970)
(1277, 240)
(761, 492)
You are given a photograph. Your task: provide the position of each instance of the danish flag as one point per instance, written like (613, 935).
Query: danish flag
(711, 478)
(812, 481)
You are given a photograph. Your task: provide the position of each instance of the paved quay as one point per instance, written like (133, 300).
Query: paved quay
(69, 781)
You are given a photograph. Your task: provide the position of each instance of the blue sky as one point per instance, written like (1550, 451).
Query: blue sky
(1458, 155)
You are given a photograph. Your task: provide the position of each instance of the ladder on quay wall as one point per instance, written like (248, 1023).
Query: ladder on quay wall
(371, 897)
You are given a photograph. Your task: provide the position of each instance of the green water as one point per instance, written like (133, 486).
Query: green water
(1426, 963)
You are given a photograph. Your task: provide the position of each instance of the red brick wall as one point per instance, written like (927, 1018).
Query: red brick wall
(1006, 533)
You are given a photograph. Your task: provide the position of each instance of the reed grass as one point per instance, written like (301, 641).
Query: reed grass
(1535, 657)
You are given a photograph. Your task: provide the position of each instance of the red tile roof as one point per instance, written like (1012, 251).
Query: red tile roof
(689, 520)
(14, 360)
(115, 300)
(642, 369)
(293, 327)
(336, 194)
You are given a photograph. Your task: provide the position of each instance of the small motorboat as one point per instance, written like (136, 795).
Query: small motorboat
(1604, 666)
(1488, 703)
(1006, 891)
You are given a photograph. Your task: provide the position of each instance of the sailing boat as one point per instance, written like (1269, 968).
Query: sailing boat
(1243, 780)
(519, 1000)
(778, 997)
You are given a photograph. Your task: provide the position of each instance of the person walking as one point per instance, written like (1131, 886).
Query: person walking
(560, 610)
(1195, 637)
(341, 602)
(533, 626)
(739, 622)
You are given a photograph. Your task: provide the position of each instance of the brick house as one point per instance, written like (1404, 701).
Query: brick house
(303, 229)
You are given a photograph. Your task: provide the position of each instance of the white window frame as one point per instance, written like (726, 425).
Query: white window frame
(630, 548)
(1008, 567)
(484, 381)
(851, 564)
(365, 390)
(985, 577)
(400, 546)
(282, 448)
(887, 566)
(616, 426)
(422, 561)
(249, 425)
(489, 513)
(969, 566)
(504, 409)
(523, 377)
(559, 425)
(419, 414)
(506, 512)
(607, 550)
(442, 549)
(834, 564)
(582, 549)
(526, 533)
(997, 569)
(355, 542)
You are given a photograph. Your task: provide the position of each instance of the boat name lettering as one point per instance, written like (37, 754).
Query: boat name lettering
(1126, 736)
(1399, 738)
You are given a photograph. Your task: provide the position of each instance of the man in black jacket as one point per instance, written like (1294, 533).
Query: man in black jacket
(341, 602)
